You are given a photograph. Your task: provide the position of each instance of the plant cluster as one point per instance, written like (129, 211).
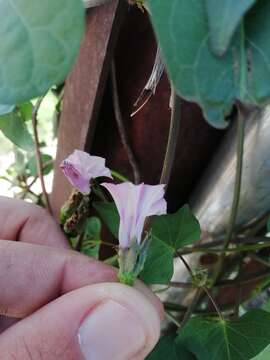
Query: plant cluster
(218, 55)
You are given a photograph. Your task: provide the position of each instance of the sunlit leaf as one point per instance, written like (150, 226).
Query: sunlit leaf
(198, 75)
(40, 41)
(13, 127)
(178, 229)
(209, 338)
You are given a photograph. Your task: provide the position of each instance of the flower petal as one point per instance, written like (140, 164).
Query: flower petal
(134, 204)
(80, 168)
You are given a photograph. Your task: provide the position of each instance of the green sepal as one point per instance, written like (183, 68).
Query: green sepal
(131, 261)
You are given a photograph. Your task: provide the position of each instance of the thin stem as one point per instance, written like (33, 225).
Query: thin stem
(172, 318)
(181, 285)
(38, 154)
(213, 302)
(213, 244)
(119, 176)
(227, 283)
(192, 307)
(123, 133)
(238, 178)
(185, 263)
(259, 259)
(237, 191)
(240, 248)
(171, 146)
(180, 308)
(172, 140)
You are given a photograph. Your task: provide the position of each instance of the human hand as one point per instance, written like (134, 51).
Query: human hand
(70, 306)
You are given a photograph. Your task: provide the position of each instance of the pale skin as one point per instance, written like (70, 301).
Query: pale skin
(54, 291)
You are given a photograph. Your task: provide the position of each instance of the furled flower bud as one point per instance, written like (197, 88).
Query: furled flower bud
(80, 168)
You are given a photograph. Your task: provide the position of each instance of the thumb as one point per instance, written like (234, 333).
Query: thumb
(106, 321)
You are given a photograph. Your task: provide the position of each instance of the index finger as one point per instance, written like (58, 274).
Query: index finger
(22, 221)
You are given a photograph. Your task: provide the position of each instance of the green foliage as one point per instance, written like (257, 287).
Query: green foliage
(26, 110)
(92, 237)
(31, 165)
(109, 215)
(40, 49)
(224, 17)
(158, 267)
(198, 75)
(13, 127)
(264, 355)
(177, 230)
(209, 338)
(6, 109)
(168, 348)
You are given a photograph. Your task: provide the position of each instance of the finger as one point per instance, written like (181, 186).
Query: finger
(96, 322)
(26, 222)
(39, 274)
(32, 275)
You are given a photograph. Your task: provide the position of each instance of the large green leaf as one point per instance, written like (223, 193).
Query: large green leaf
(6, 109)
(264, 355)
(13, 127)
(215, 339)
(198, 75)
(158, 267)
(178, 229)
(168, 349)
(224, 17)
(40, 40)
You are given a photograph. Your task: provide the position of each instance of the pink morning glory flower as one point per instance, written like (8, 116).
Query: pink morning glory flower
(134, 204)
(80, 168)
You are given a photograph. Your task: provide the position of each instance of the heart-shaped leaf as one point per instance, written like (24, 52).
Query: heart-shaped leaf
(158, 267)
(177, 230)
(224, 18)
(40, 40)
(209, 338)
(198, 75)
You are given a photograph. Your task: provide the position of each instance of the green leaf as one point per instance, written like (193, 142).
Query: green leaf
(26, 110)
(165, 349)
(6, 109)
(197, 74)
(92, 238)
(109, 215)
(15, 130)
(224, 18)
(168, 349)
(158, 267)
(209, 338)
(31, 165)
(264, 355)
(41, 48)
(177, 230)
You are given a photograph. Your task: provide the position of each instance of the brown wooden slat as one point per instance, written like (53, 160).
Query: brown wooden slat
(84, 90)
